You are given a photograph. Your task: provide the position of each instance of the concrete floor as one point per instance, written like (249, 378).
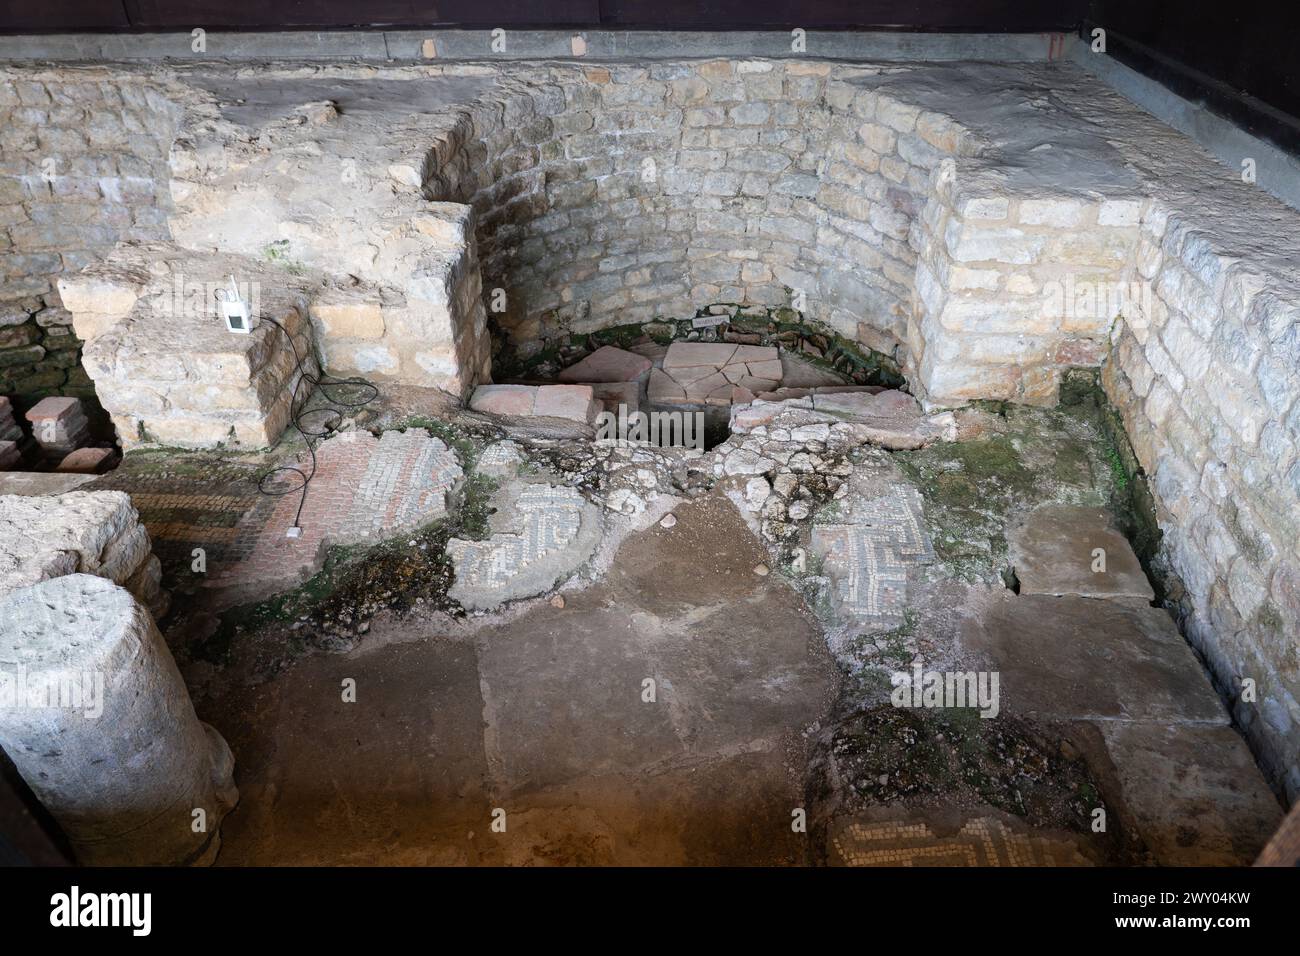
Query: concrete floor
(543, 718)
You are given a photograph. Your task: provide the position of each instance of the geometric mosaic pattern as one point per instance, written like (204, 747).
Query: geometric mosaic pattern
(364, 489)
(867, 555)
(550, 518)
(405, 484)
(983, 841)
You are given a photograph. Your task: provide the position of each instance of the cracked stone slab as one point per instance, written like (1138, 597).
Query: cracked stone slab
(1054, 550)
(1083, 659)
(707, 373)
(542, 534)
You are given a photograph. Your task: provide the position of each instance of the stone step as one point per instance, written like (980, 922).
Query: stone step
(1077, 658)
(1063, 549)
(1194, 792)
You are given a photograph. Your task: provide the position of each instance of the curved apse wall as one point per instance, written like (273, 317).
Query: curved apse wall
(606, 195)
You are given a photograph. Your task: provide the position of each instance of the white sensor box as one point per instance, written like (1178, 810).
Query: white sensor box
(235, 310)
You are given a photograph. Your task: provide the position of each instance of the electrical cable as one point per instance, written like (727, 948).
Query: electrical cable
(321, 385)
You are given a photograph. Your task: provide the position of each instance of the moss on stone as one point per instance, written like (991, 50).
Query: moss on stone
(1030, 457)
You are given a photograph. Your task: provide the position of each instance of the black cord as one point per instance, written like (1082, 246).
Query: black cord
(321, 385)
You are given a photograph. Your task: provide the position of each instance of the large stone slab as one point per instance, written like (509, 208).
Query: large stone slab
(573, 402)
(695, 354)
(504, 399)
(1196, 794)
(415, 762)
(890, 403)
(25, 483)
(1063, 549)
(607, 364)
(889, 418)
(1080, 658)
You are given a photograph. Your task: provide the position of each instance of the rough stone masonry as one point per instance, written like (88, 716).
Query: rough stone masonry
(989, 226)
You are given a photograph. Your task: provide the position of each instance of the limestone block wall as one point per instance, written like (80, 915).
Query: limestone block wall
(309, 189)
(1207, 382)
(620, 193)
(1010, 291)
(83, 159)
(166, 368)
(80, 532)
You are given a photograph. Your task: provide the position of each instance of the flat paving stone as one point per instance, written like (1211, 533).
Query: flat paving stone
(504, 399)
(732, 811)
(574, 402)
(744, 674)
(1196, 795)
(890, 403)
(1054, 550)
(607, 364)
(798, 372)
(399, 776)
(563, 697)
(1085, 659)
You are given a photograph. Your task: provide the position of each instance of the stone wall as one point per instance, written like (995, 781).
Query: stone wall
(80, 532)
(1207, 382)
(622, 193)
(166, 368)
(83, 162)
(308, 188)
(1010, 292)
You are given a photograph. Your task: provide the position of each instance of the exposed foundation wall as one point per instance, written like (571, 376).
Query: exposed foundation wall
(622, 193)
(1206, 381)
(82, 164)
(306, 188)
